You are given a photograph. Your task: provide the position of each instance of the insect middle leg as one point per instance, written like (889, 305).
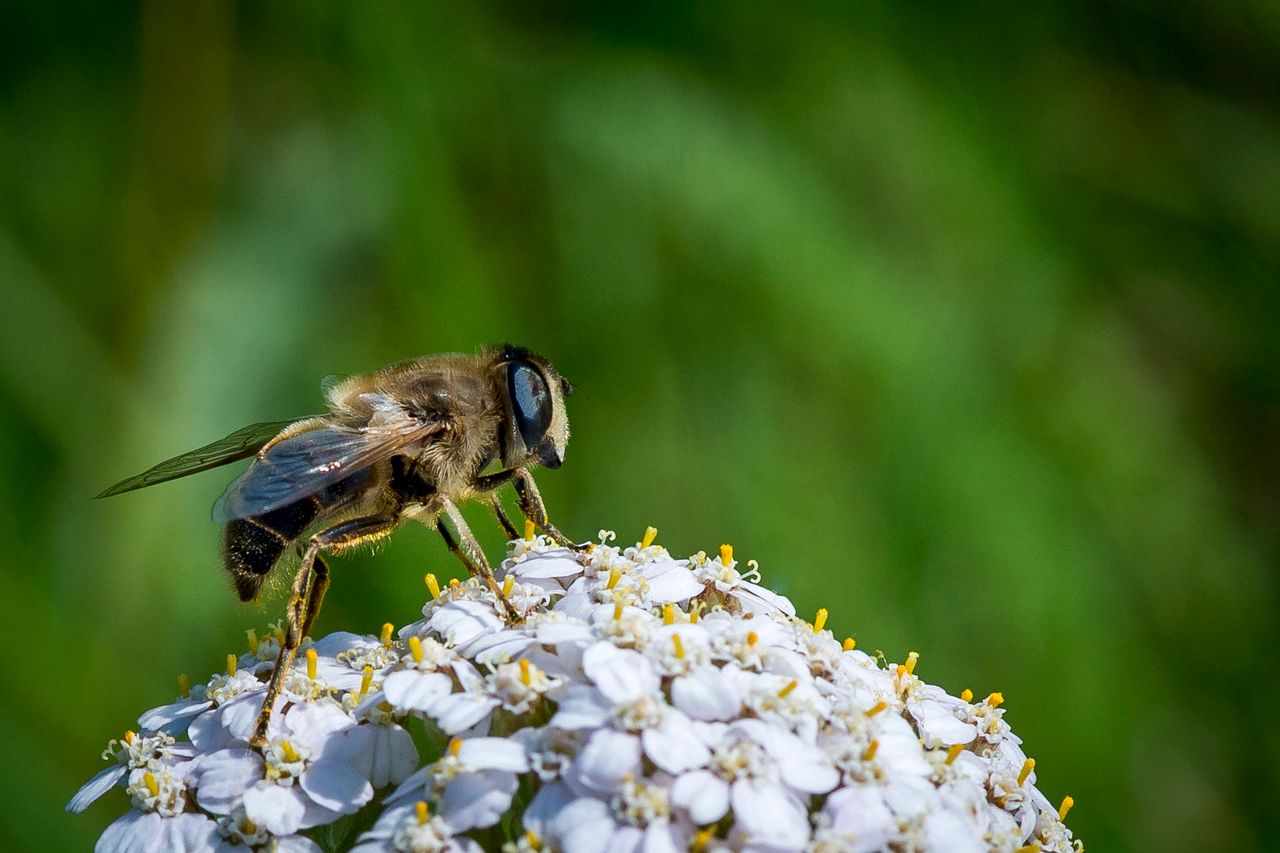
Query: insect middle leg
(468, 550)
(536, 511)
(308, 592)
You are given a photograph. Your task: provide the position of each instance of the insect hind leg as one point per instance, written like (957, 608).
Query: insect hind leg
(304, 604)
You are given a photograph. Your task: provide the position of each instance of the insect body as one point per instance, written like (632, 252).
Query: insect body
(410, 441)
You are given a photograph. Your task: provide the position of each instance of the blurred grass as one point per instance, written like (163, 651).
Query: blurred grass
(963, 321)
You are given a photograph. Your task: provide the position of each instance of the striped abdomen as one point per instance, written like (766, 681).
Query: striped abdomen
(251, 547)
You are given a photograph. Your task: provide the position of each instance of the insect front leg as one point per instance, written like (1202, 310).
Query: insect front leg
(304, 603)
(468, 550)
(536, 511)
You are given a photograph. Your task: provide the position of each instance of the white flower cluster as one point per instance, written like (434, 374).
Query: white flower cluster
(643, 703)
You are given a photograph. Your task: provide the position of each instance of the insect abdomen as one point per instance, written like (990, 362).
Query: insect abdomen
(251, 547)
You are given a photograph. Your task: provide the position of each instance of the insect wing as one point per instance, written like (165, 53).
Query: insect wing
(310, 461)
(240, 444)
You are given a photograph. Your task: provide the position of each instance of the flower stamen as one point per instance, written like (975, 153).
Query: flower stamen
(455, 746)
(366, 678)
(290, 754)
(614, 576)
(966, 695)
(1067, 802)
(953, 753)
(387, 628)
(415, 649)
(433, 585)
(995, 700)
(312, 659)
(508, 584)
(726, 554)
(849, 644)
(668, 614)
(912, 657)
(184, 685)
(152, 785)
(820, 621)
(876, 708)
(252, 637)
(1027, 767)
(786, 691)
(872, 749)
(524, 671)
(231, 664)
(420, 809)
(529, 528)
(650, 534)
(678, 645)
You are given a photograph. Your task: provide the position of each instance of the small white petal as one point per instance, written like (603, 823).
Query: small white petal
(674, 747)
(608, 757)
(189, 833)
(493, 753)
(477, 800)
(459, 711)
(336, 785)
(136, 832)
(275, 807)
(704, 794)
(104, 780)
(621, 674)
(706, 694)
(225, 776)
(412, 690)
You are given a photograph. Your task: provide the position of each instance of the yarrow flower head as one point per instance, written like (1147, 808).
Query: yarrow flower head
(638, 702)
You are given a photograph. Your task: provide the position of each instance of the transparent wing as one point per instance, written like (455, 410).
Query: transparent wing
(310, 461)
(240, 444)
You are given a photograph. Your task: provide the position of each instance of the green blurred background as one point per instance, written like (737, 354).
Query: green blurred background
(961, 320)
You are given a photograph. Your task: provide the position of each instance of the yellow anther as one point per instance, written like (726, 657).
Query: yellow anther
(433, 584)
(1029, 848)
(529, 528)
(786, 691)
(679, 646)
(385, 707)
(231, 664)
(695, 611)
(1067, 802)
(455, 584)
(668, 614)
(849, 644)
(533, 839)
(752, 638)
(617, 610)
(650, 534)
(1027, 767)
(420, 808)
(252, 636)
(415, 649)
(290, 754)
(995, 700)
(366, 678)
(726, 554)
(876, 708)
(900, 671)
(387, 628)
(312, 659)
(702, 838)
(184, 686)
(872, 749)
(508, 584)
(455, 746)
(820, 621)
(250, 828)
(912, 658)
(966, 695)
(524, 671)
(614, 575)
(954, 752)
(152, 785)
(128, 737)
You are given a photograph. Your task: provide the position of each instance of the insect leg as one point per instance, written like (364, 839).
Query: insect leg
(472, 556)
(536, 511)
(304, 604)
(489, 484)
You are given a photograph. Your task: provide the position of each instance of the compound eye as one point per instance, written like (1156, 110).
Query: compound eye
(530, 402)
